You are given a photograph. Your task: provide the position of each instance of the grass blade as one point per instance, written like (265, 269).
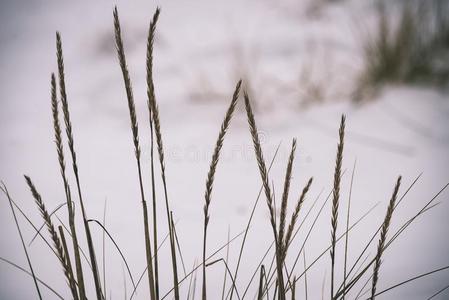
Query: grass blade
(30, 274)
(347, 227)
(411, 279)
(5, 191)
(117, 247)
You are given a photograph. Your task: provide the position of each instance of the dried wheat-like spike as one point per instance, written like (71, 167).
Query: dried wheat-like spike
(217, 149)
(260, 161)
(71, 211)
(336, 197)
(54, 236)
(127, 80)
(152, 103)
(266, 184)
(295, 214)
(68, 124)
(383, 237)
(211, 173)
(288, 176)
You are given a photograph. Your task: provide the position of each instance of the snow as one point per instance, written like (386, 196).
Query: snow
(201, 50)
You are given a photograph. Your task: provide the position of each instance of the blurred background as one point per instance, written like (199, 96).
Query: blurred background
(304, 63)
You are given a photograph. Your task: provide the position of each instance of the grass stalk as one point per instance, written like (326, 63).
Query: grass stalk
(269, 196)
(294, 288)
(67, 256)
(173, 253)
(135, 133)
(69, 132)
(154, 112)
(225, 275)
(211, 176)
(294, 217)
(54, 236)
(116, 247)
(336, 198)
(71, 210)
(383, 237)
(151, 95)
(260, 289)
(306, 296)
(347, 228)
(283, 216)
(248, 224)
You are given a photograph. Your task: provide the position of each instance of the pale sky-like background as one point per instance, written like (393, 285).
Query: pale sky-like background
(299, 60)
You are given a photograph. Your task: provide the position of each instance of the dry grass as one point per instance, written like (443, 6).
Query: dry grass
(412, 50)
(276, 280)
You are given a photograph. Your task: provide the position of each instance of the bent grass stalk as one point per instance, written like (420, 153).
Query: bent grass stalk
(54, 236)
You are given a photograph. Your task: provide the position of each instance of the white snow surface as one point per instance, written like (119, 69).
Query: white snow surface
(202, 48)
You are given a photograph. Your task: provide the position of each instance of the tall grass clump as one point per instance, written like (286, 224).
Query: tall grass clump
(274, 277)
(408, 45)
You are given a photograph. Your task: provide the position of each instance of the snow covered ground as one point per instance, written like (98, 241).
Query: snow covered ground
(202, 49)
